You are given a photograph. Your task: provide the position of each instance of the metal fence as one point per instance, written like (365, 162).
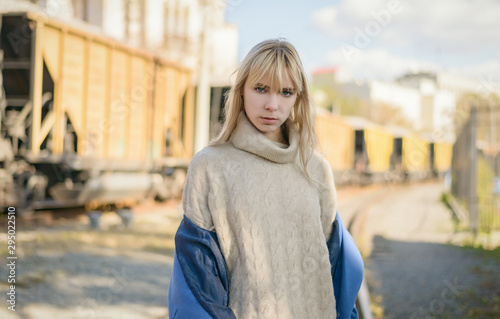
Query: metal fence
(476, 168)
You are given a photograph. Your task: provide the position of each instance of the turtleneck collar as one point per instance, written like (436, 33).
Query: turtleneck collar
(246, 137)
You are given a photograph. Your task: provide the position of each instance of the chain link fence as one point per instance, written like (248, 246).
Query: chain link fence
(476, 169)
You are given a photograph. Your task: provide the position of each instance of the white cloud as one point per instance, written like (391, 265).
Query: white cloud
(376, 65)
(452, 25)
(488, 69)
(348, 15)
(380, 64)
(486, 74)
(326, 20)
(384, 39)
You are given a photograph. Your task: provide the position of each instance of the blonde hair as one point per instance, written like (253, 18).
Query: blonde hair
(273, 58)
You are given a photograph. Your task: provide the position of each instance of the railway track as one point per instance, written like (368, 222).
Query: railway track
(353, 202)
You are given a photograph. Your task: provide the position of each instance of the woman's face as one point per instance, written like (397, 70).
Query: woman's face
(268, 107)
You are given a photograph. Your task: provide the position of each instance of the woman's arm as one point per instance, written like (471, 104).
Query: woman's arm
(199, 286)
(347, 269)
(327, 193)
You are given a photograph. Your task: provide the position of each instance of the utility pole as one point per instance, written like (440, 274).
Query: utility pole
(473, 200)
(202, 122)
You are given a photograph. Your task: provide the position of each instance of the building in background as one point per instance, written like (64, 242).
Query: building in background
(337, 96)
(426, 101)
(421, 99)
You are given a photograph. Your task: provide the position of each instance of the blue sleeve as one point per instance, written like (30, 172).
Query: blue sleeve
(347, 269)
(199, 285)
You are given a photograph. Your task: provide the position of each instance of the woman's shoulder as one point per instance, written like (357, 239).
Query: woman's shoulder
(319, 168)
(210, 154)
(318, 161)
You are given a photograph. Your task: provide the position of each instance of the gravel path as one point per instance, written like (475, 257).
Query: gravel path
(68, 271)
(416, 270)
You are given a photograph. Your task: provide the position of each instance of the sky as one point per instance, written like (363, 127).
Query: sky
(376, 39)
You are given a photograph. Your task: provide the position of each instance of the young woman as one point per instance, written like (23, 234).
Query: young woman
(260, 237)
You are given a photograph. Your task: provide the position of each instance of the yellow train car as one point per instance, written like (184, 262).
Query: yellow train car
(416, 155)
(411, 157)
(90, 121)
(336, 142)
(379, 146)
(173, 119)
(441, 156)
(373, 147)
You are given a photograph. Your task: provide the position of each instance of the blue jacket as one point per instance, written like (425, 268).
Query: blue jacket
(199, 286)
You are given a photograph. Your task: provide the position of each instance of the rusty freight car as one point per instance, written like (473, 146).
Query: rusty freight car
(87, 120)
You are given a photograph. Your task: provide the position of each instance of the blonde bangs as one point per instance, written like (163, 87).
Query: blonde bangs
(275, 65)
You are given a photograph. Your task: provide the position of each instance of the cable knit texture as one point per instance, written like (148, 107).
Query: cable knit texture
(272, 223)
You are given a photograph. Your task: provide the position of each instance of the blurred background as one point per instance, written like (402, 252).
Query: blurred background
(103, 103)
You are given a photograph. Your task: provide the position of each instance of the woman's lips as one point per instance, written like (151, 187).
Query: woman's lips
(269, 120)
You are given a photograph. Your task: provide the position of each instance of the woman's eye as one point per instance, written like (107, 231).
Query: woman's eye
(287, 93)
(260, 89)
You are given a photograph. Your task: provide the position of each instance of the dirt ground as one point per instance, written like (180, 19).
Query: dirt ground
(420, 266)
(66, 270)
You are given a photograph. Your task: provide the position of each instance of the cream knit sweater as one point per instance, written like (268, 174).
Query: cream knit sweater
(271, 221)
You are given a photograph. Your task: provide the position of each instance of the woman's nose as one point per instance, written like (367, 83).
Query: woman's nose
(272, 102)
